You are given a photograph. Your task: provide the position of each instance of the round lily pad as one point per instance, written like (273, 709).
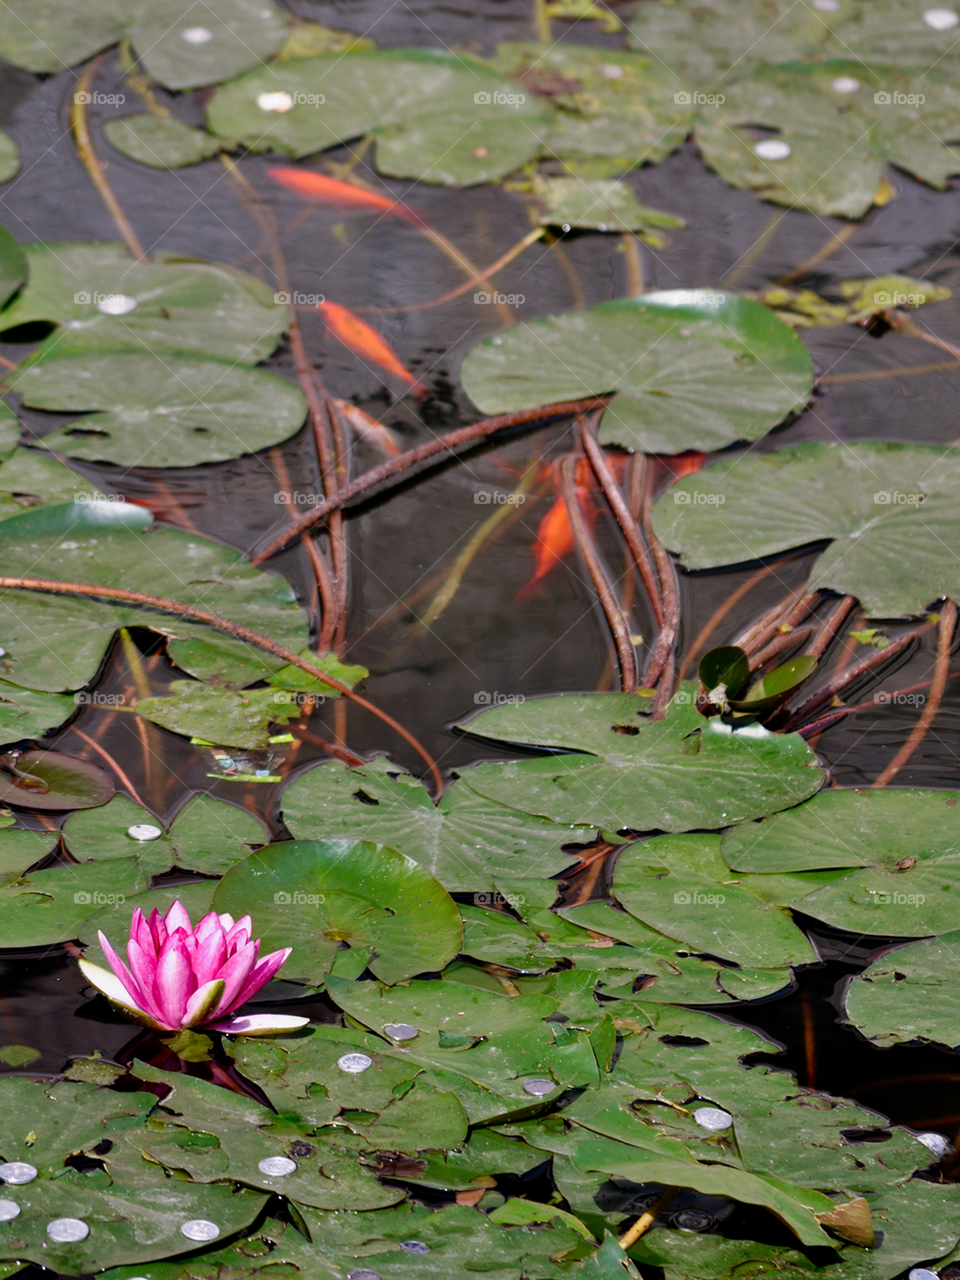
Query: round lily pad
(314, 894)
(162, 142)
(52, 780)
(691, 368)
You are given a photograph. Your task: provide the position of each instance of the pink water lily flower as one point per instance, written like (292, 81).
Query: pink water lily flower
(181, 977)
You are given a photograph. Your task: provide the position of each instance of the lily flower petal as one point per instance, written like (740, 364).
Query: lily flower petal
(260, 1024)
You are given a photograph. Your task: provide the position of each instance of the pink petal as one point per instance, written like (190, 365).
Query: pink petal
(210, 924)
(227, 921)
(210, 956)
(236, 971)
(259, 1024)
(234, 939)
(177, 918)
(258, 977)
(143, 965)
(131, 986)
(158, 930)
(173, 986)
(141, 932)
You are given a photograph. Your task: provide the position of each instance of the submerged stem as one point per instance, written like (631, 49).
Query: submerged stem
(948, 624)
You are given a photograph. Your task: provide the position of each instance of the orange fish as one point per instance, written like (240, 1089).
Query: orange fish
(369, 429)
(366, 343)
(555, 539)
(341, 195)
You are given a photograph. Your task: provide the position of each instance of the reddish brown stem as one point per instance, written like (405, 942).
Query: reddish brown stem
(662, 654)
(51, 587)
(834, 717)
(834, 622)
(326, 594)
(122, 777)
(780, 645)
(618, 506)
(786, 614)
(840, 682)
(615, 619)
(948, 624)
(395, 466)
(341, 753)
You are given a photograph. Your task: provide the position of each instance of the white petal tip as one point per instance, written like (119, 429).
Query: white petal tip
(259, 1024)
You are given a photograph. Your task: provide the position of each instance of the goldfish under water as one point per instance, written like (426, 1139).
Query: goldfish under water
(320, 189)
(367, 343)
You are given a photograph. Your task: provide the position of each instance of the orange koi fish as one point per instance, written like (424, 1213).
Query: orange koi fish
(320, 189)
(555, 539)
(369, 429)
(366, 343)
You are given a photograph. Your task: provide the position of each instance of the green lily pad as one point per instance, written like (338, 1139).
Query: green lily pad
(25, 713)
(207, 835)
(13, 266)
(220, 715)
(44, 1123)
(9, 157)
(465, 842)
(909, 994)
(313, 895)
(889, 509)
(236, 35)
(133, 1209)
(162, 142)
(158, 411)
(601, 205)
(50, 780)
(29, 480)
(174, 46)
(839, 138)
(484, 1155)
(681, 886)
(21, 849)
(615, 110)
(57, 643)
(891, 829)
(794, 1206)
(673, 774)
(45, 907)
(48, 35)
(179, 305)
(437, 117)
(692, 369)
(699, 41)
(917, 1221)
(247, 1133)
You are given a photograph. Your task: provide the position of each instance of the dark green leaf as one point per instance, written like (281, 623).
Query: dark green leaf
(48, 35)
(25, 713)
(437, 116)
(162, 142)
(726, 665)
(50, 780)
(56, 643)
(45, 907)
(890, 510)
(181, 305)
(9, 158)
(692, 369)
(777, 686)
(21, 849)
(313, 895)
(466, 841)
(673, 774)
(602, 205)
(218, 715)
(909, 994)
(13, 266)
(161, 412)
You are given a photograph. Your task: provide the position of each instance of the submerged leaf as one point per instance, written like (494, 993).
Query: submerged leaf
(9, 157)
(13, 266)
(692, 369)
(603, 205)
(218, 715)
(49, 780)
